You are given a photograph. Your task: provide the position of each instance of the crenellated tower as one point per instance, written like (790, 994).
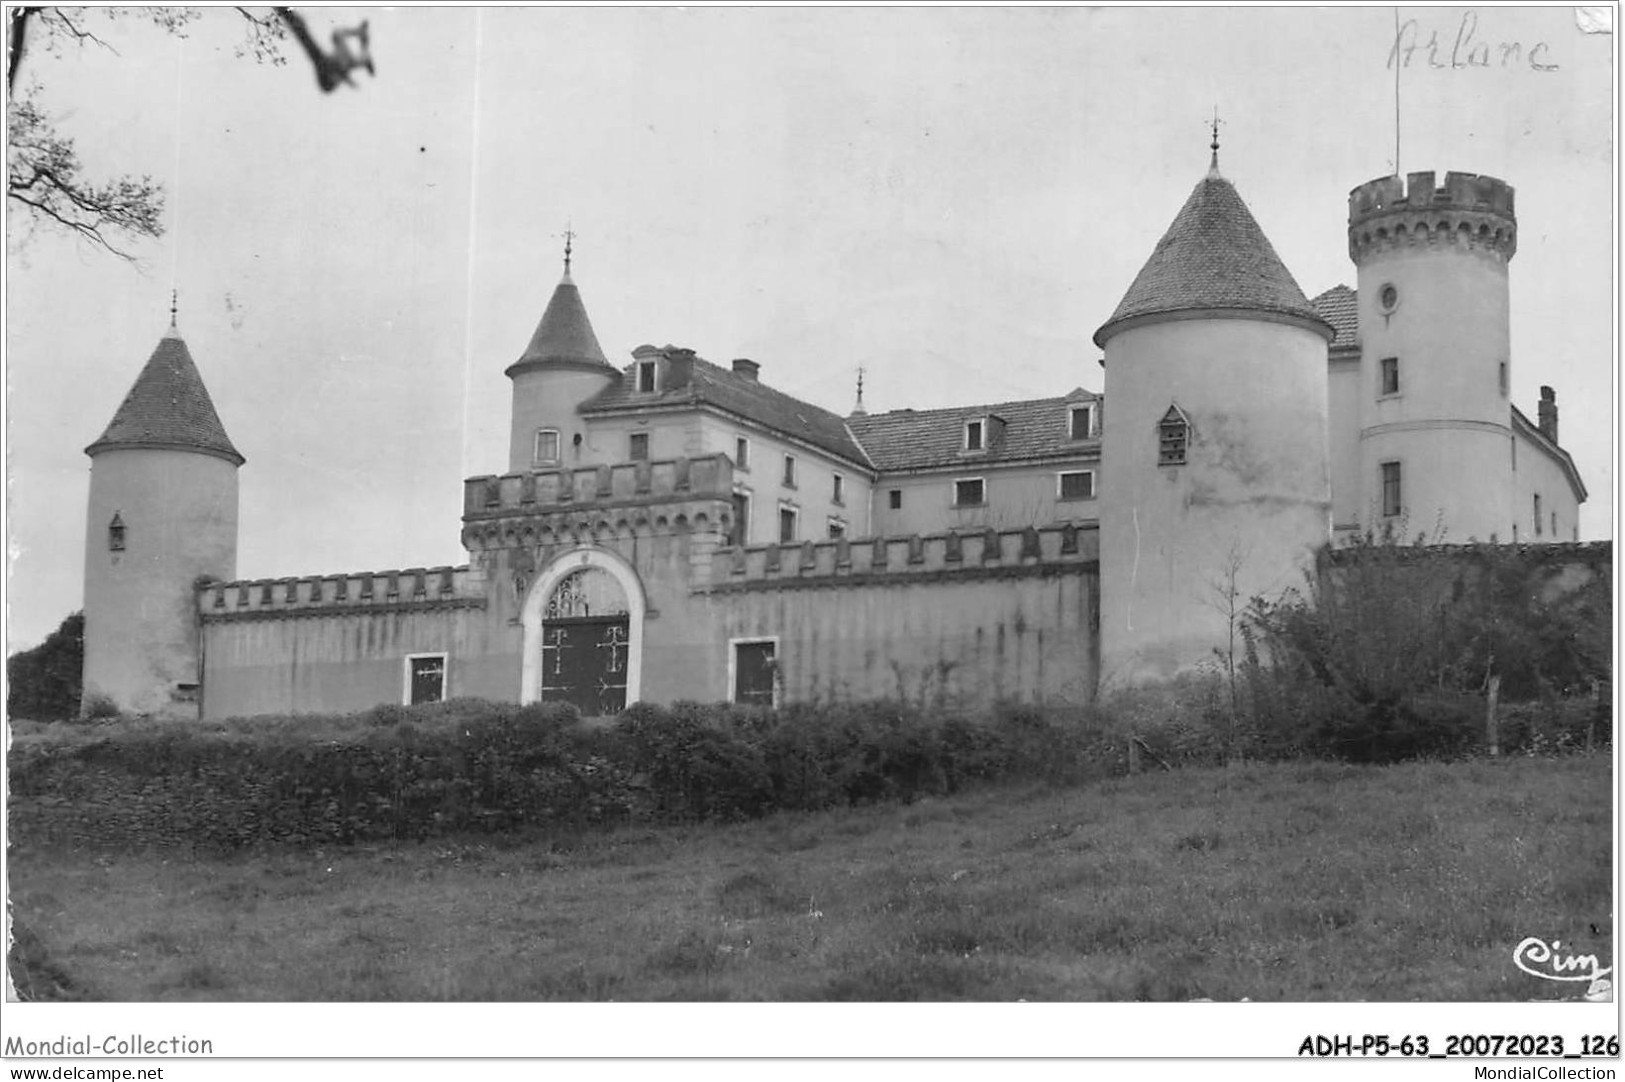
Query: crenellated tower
(1436, 442)
(163, 515)
(561, 368)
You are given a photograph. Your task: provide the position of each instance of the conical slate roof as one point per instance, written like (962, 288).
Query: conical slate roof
(168, 408)
(564, 336)
(1214, 256)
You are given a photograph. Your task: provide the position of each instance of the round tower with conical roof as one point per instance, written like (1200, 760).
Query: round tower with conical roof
(1214, 440)
(561, 368)
(163, 514)
(1436, 442)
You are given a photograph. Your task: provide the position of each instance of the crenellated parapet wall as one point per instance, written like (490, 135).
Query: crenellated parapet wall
(954, 556)
(1468, 212)
(408, 590)
(574, 506)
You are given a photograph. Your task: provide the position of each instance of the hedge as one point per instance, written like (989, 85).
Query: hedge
(398, 773)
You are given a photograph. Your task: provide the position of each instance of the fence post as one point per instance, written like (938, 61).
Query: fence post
(1492, 730)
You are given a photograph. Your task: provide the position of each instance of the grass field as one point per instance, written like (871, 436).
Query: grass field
(1289, 882)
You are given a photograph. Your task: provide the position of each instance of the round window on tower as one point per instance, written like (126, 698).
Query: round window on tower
(1388, 297)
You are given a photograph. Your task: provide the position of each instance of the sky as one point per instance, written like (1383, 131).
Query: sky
(952, 199)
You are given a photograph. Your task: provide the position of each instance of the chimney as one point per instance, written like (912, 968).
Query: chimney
(1548, 413)
(745, 368)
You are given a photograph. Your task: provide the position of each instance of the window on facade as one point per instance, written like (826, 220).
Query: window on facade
(755, 672)
(839, 493)
(1173, 434)
(425, 678)
(894, 499)
(547, 445)
(1537, 514)
(640, 446)
(1079, 485)
(787, 524)
(969, 492)
(973, 435)
(1554, 523)
(1390, 375)
(789, 471)
(837, 529)
(646, 377)
(739, 529)
(1083, 422)
(741, 453)
(1503, 368)
(115, 533)
(1391, 496)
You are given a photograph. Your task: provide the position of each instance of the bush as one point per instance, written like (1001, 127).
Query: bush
(413, 772)
(1389, 652)
(43, 684)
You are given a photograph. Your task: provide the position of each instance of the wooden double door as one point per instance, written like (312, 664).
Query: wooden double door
(584, 661)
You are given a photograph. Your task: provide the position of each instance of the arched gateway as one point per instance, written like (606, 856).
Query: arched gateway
(583, 623)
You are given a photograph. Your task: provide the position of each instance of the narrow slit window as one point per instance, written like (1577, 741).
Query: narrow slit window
(742, 453)
(787, 524)
(789, 471)
(1392, 497)
(115, 534)
(1390, 375)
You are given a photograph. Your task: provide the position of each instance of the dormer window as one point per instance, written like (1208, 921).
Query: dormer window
(115, 534)
(646, 377)
(1173, 435)
(547, 446)
(974, 433)
(1082, 422)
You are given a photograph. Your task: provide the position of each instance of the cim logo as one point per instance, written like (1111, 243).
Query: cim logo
(1538, 959)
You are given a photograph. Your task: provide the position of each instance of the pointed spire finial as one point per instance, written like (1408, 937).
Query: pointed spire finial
(569, 238)
(858, 410)
(1213, 165)
(174, 308)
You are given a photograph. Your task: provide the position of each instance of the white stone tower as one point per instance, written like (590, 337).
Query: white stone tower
(1214, 440)
(163, 513)
(1436, 441)
(561, 368)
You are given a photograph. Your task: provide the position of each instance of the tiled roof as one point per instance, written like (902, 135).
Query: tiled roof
(707, 384)
(1339, 306)
(923, 439)
(1214, 255)
(565, 335)
(168, 407)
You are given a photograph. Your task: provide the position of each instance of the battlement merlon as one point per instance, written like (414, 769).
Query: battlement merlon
(597, 487)
(1059, 548)
(316, 595)
(1387, 208)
